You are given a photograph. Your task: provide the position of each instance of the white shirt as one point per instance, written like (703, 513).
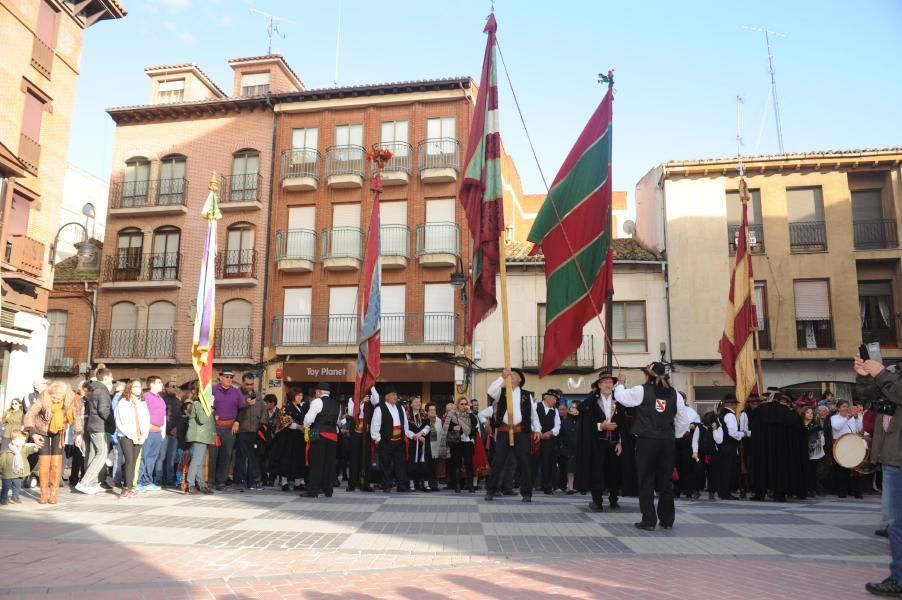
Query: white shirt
(843, 426)
(691, 417)
(744, 424)
(607, 405)
(556, 428)
(374, 400)
(316, 407)
(717, 433)
(494, 392)
(376, 424)
(733, 430)
(634, 396)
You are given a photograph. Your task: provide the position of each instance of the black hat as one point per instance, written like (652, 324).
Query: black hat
(552, 392)
(606, 375)
(655, 369)
(322, 385)
(227, 373)
(730, 399)
(522, 376)
(389, 389)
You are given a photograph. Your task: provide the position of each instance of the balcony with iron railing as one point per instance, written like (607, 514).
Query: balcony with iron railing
(136, 345)
(295, 250)
(438, 244)
(439, 160)
(236, 267)
(756, 238)
(232, 343)
(341, 248)
(345, 166)
(240, 191)
(24, 260)
(876, 234)
(808, 236)
(42, 57)
(435, 330)
(255, 90)
(394, 246)
(397, 169)
(29, 153)
(149, 197)
(300, 169)
(133, 270)
(64, 360)
(533, 347)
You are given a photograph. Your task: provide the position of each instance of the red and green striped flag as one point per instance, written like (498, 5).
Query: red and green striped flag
(480, 190)
(571, 231)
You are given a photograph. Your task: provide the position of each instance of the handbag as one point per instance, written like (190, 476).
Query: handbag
(453, 436)
(217, 441)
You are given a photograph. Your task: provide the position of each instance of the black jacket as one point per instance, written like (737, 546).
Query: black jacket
(99, 410)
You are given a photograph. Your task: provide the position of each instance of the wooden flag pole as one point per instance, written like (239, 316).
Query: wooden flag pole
(505, 339)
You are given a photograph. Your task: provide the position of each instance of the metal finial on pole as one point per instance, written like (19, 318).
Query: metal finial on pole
(608, 79)
(214, 183)
(773, 79)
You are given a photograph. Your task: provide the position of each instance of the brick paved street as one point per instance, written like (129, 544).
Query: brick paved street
(274, 544)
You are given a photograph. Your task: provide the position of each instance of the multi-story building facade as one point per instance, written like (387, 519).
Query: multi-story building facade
(81, 189)
(639, 334)
(321, 207)
(166, 153)
(42, 43)
(824, 235)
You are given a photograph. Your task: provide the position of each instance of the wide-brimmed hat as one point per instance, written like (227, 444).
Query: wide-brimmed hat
(731, 399)
(606, 375)
(552, 392)
(522, 376)
(389, 389)
(227, 373)
(324, 386)
(655, 369)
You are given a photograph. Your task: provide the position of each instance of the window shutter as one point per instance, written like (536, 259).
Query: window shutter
(252, 79)
(635, 320)
(874, 288)
(236, 314)
(812, 300)
(161, 315)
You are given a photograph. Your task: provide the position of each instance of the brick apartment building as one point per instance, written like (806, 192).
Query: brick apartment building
(321, 206)
(165, 154)
(42, 42)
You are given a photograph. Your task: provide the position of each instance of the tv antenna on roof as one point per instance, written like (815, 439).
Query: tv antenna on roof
(272, 28)
(773, 78)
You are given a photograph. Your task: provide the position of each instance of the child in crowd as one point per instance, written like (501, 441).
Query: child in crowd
(14, 466)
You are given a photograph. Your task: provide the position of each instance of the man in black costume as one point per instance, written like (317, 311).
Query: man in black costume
(321, 422)
(389, 429)
(360, 455)
(599, 449)
(778, 451)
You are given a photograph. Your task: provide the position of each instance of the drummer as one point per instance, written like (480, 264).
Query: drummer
(847, 420)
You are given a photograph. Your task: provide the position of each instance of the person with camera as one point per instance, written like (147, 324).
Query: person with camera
(883, 388)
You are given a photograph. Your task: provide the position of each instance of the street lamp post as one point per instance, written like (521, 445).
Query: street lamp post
(459, 279)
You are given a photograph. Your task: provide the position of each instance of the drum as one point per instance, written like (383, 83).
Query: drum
(853, 451)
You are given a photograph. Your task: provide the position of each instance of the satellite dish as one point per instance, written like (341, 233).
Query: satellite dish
(629, 227)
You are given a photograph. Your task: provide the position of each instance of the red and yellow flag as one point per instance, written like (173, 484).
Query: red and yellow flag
(737, 352)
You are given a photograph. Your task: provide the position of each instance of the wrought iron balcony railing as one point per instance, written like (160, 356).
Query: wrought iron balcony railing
(296, 244)
(136, 343)
(301, 162)
(878, 234)
(756, 238)
(808, 236)
(397, 329)
(63, 360)
(345, 160)
(533, 347)
(438, 238)
(342, 242)
(232, 342)
(439, 153)
(134, 266)
(145, 193)
(234, 264)
(394, 240)
(401, 156)
(243, 187)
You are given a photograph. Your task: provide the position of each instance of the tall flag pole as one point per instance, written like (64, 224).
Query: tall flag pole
(737, 346)
(370, 344)
(205, 315)
(573, 231)
(481, 197)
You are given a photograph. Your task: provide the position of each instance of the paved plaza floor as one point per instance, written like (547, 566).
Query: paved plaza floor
(274, 544)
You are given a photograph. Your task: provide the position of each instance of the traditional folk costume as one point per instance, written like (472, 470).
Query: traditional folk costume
(545, 459)
(779, 451)
(658, 409)
(706, 440)
(728, 453)
(390, 431)
(419, 459)
(289, 446)
(361, 453)
(321, 429)
(525, 421)
(598, 465)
